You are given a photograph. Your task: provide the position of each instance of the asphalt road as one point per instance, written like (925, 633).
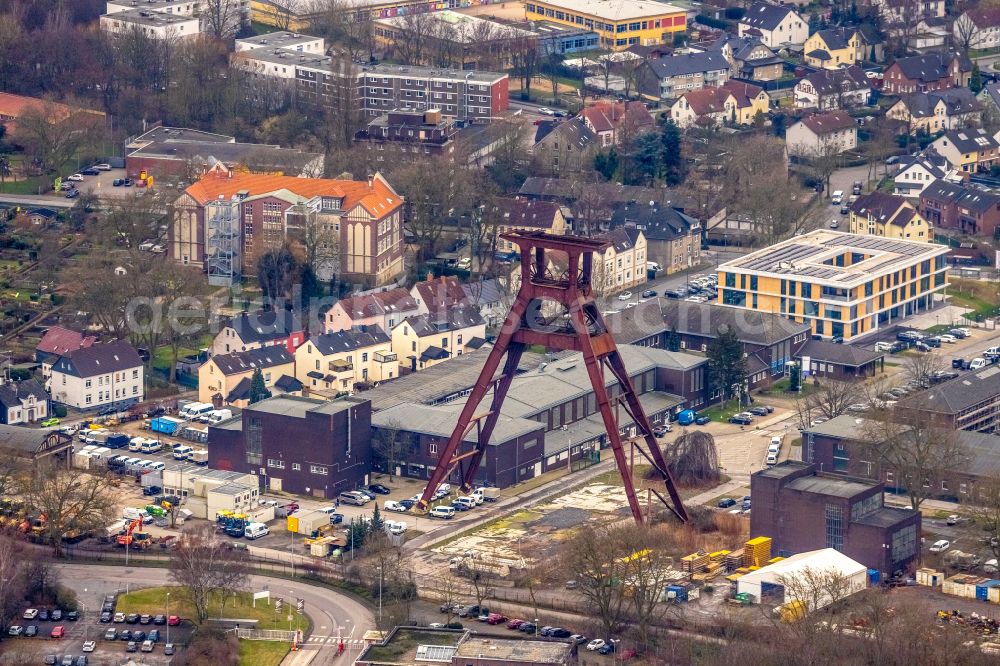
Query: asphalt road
(332, 614)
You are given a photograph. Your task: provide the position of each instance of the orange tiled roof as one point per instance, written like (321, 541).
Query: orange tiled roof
(13, 107)
(378, 198)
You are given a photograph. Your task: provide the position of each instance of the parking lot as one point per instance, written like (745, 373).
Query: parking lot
(34, 650)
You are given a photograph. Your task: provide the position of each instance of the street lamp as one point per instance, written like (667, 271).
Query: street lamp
(168, 617)
(536, 627)
(614, 650)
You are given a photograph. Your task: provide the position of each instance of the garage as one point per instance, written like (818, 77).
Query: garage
(816, 578)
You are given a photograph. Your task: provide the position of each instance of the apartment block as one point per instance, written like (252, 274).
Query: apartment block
(378, 89)
(844, 285)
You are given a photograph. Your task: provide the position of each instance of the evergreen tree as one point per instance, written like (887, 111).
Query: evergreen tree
(646, 158)
(795, 378)
(976, 81)
(673, 340)
(356, 533)
(377, 524)
(671, 153)
(727, 368)
(311, 286)
(606, 163)
(258, 390)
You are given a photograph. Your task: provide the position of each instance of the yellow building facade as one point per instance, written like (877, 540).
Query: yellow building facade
(844, 285)
(888, 216)
(620, 23)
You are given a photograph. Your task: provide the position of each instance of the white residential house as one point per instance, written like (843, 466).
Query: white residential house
(977, 28)
(23, 402)
(153, 25)
(822, 134)
(916, 172)
(776, 25)
(107, 373)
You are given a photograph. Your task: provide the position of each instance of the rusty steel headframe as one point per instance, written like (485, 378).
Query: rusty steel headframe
(586, 333)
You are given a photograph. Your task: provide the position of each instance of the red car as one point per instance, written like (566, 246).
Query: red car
(173, 621)
(496, 618)
(514, 624)
(58, 632)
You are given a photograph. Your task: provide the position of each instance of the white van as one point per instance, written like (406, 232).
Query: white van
(135, 444)
(838, 197)
(151, 446)
(468, 501)
(477, 495)
(255, 530)
(193, 410)
(772, 459)
(395, 527)
(392, 505)
(158, 466)
(775, 445)
(445, 512)
(182, 452)
(978, 363)
(219, 415)
(131, 513)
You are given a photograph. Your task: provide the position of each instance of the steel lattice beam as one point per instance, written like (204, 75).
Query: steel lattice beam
(586, 334)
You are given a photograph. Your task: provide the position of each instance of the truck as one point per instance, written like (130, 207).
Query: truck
(961, 560)
(116, 440)
(165, 424)
(491, 494)
(199, 457)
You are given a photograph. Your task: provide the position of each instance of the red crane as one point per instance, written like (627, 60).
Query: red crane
(585, 332)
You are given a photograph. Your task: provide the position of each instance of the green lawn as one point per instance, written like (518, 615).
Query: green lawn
(407, 639)
(153, 601)
(721, 413)
(981, 308)
(41, 184)
(262, 653)
(780, 389)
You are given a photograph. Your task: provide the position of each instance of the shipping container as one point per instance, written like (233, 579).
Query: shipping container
(310, 522)
(929, 577)
(982, 589)
(165, 424)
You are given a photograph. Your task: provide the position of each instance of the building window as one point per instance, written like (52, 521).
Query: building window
(276, 464)
(834, 526)
(296, 467)
(432, 448)
(318, 469)
(904, 543)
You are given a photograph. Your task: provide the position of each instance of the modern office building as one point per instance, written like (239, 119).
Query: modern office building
(620, 23)
(845, 285)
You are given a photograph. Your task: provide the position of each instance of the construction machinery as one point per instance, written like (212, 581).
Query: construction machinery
(133, 536)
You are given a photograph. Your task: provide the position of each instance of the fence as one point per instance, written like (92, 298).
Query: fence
(266, 635)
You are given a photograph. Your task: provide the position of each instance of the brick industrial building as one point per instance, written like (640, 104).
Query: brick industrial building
(803, 509)
(297, 445)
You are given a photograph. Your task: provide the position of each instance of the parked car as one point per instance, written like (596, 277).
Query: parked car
(545, 111)
(15, 630)
(702, 420)
(89, 646)
(625, 295)
(132, 646)
(91, 171)
(758, 411)
(595, 644)
(30, 614)
(56, 615)
(76, 177)
(661, 430)
(726, 502)
(160, 619)
(118, 182)
(528, 627)
(739, 419)
(514, 624)
(58, 631)
(649, 293)
(168, 649)
(940, 546)
(110, 634)
(31, 630)
(105, 617)
(153, 635)
(124, 635)
(132, 618)
(379, 489)
(72, 616)
(947, 339)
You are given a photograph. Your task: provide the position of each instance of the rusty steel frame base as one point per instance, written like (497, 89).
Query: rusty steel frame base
(525, 326)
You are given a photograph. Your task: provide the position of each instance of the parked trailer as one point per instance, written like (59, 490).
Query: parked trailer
(199, 457)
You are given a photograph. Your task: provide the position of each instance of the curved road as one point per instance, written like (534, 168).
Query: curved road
(329, 611)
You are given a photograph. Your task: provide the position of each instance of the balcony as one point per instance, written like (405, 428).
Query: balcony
(341, 366)
(380, 357)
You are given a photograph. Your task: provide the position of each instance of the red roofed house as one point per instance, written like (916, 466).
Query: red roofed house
(528, 215)
(438, 294)
(608, 120)
(708, 107)
(384, 309)
(56, 342)
(822, 134)
(226, 220)
(13, 107)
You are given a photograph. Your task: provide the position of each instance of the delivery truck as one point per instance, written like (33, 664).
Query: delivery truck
(199, 457)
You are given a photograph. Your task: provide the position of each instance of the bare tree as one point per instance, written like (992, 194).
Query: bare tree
(205, 565)
(915, 447)
(222, 18)
(648, 570)
(343, 112)
(984, 510)
(387, 446)
(829, 398)
(434, 190)
(411, 41)
(964, 33)
(13, 577)
(590, 558)
(71, 503)
(525, 60)
(919, 368)
(481, 578)
(51, 138)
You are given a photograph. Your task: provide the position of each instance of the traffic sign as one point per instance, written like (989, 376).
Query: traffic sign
(277, 604)
(300, 605)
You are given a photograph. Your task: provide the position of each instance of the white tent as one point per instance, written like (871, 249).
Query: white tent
(816, 578)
